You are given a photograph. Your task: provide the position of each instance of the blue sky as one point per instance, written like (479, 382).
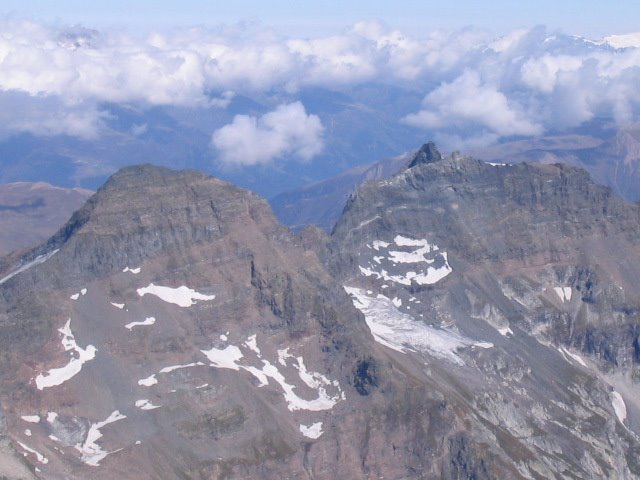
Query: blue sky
(593, 18)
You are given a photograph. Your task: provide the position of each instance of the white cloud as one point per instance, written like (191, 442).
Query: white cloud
(473, 84)
(468, 102)
(629, 40)
(287, 130)
(542, 73)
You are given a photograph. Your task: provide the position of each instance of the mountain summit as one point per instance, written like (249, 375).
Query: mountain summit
(428, 153)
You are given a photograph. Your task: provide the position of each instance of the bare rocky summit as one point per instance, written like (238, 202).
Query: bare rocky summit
(464, 320)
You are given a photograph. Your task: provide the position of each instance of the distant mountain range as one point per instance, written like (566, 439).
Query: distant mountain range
(359, 124)
(32, 212)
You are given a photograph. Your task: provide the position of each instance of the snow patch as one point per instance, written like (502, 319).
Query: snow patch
(91, 452)
(619, 406)
(31, 418)
(377, 244)
(504, 331)
(415, 256)
(36, 261)
(178, 367)
(27, 432)
(566, 353)
(135, 271)
(146, 321)
(312, 431)
(145, 404)
(57, 376)
(76, 296)
(283, 355)
(51, 417)
(401, 332)
(230, 357)
(147, 382)
(564, 293)
(425, 277)
(182, 296)
(224, 358)
(118, 305)
(41, 458)
(252, 344)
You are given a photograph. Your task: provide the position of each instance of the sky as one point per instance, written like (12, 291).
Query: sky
(485, 71)
(592, 18)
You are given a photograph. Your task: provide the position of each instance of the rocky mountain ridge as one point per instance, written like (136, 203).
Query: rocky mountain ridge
(609, 153)
(464, 320)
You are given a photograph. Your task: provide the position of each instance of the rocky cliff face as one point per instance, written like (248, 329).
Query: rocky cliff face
(530, 259)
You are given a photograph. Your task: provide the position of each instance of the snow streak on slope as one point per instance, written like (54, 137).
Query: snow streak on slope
(403, 333)
(171, 368)
(181, 296)
(230, 357)
(41, 458)
(36, 261)
(57, 376)
(619, 406)
(145, 322)
(145, 404)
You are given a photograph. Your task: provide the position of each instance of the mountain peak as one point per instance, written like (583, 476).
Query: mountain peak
(428, 153)
(144, 210)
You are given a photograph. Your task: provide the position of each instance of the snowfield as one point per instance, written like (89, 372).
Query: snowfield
(182, 296)
(91, 452)
(401, 332)
(421, 253)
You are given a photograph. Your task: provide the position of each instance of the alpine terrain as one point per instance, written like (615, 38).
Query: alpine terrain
(464, 320)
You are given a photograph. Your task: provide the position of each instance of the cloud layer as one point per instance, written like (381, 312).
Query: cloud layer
(287, 130)
(475, 87)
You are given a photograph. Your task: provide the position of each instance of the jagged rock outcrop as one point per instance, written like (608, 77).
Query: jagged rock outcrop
(428, 153)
